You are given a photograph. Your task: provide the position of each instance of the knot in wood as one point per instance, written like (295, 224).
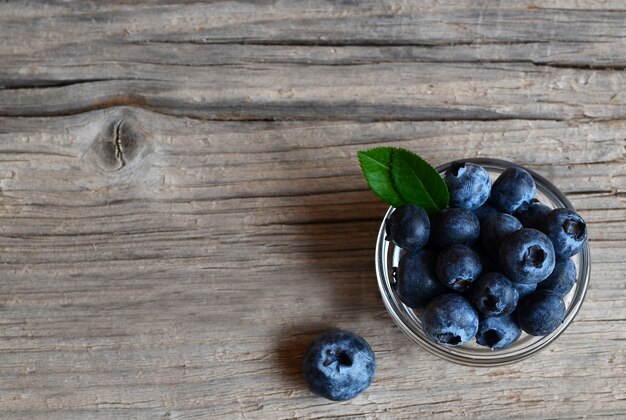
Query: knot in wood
(119, 143)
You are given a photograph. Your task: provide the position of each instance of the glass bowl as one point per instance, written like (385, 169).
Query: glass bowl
(388, 255)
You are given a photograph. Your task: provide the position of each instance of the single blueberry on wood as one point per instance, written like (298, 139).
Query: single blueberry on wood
(338, 365)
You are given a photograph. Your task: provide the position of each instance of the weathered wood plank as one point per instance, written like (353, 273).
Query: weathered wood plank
(186, 282)
(386, 91)
(114, 59)
(382, 22)
(254, 61)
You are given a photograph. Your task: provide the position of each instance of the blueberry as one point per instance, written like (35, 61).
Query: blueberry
(338, 365)
(497, 332)
(514, 189)
(494, 295)
(469, 185)
(567, 231)
(524, 289)
(541, 312)
(450, 320)
(484, 211)
(458, 266)
(455, 226)
(417, 282)
(495, 228)
(527, 256)
(562, 279)
(533, 215)
(408, 227)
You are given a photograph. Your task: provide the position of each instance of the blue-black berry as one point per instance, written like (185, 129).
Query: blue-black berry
(527, 256)
(338, 365)
(455, 226)
(450, 320)
(469, 185)
(567, 231)
(458, 266)
(497, 332)
(541, 312)
(417, 282)
(512, 190)
(408, 227)
(562, 279)
(494, 295)
(533, 215)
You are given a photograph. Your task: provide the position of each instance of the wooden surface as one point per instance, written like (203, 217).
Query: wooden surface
(181, 207)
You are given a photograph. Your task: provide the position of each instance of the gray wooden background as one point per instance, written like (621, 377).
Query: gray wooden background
(181, 208)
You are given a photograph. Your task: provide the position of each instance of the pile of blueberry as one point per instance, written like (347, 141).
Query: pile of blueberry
(493, 263)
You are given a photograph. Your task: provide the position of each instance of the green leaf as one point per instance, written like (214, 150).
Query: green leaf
(400, 177)
(417, 182)
(375, 164)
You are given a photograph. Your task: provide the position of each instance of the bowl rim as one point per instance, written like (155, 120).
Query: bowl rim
(404, 317)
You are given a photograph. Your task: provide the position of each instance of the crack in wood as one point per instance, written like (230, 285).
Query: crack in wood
(45, 83)
(230, 113)
(348, 43)
(117, 142)
(26, 84)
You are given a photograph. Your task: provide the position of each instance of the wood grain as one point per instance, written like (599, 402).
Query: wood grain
(182, 209)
